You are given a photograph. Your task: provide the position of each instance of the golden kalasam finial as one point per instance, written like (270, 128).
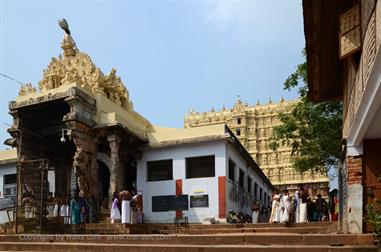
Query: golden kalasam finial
(68, 44)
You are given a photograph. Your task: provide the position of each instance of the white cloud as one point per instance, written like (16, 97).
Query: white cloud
(229, 14)
(248, 19)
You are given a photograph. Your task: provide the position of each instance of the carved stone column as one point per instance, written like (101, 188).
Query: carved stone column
(115, 174)
(85, 158)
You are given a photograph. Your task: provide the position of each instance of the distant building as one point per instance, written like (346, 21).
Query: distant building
(253, 126)
(8, 179)
(343, 45)
(8, 182)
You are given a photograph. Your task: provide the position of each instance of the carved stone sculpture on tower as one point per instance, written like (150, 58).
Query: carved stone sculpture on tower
(77, 67)
(27, 89)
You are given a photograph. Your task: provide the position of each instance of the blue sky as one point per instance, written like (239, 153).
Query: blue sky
(171, 55)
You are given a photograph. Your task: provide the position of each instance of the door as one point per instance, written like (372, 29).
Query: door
(371, 173)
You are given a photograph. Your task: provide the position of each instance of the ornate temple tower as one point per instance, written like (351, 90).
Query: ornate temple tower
(80, 125)
(253, 126)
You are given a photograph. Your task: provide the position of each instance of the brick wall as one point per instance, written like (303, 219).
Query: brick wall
(354, 170)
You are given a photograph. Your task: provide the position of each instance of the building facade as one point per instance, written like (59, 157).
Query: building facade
(253, 126)
(343, 42)
(8, 182)
(201, 167)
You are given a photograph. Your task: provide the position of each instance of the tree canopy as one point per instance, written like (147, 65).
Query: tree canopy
(314, 130)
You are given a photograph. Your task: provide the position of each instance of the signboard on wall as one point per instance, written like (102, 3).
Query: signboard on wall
(169, 203)
(350, 32)
(199, 201)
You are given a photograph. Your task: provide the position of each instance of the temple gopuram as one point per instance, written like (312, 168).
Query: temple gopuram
(253, 126)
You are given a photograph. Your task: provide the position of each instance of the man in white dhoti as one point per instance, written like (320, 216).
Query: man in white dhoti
(275, 209)
(297, 206)
(303, 205)
(126, 207)
(285, 207)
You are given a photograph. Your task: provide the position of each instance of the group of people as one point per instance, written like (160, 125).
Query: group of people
(281, 208)
(126, 208)
(82, 210)
(260, 214)
(300, 208)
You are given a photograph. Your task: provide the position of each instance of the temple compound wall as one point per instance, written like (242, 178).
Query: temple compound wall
(253, 126)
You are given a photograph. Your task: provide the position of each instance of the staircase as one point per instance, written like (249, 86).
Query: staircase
(264, 237)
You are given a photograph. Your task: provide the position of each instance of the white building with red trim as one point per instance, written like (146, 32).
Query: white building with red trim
(204, 171)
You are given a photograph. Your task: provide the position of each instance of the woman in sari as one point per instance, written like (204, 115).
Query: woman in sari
(286, 207)
(75, 210)
(274, 217)
(115, 212)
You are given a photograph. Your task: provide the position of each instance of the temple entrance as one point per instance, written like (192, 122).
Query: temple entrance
(103, 181)
(129, 182)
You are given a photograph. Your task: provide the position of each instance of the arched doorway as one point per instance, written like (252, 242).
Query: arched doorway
(103, 181)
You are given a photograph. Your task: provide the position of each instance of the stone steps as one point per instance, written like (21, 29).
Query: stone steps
(307, 228)
(215, 239)
(37, 246)
(311, 237)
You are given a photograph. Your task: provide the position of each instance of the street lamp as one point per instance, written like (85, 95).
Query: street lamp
(63, 132)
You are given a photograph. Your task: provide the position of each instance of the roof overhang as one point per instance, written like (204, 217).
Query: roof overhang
(322, 48)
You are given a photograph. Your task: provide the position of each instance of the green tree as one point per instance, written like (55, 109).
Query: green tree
(314, 130)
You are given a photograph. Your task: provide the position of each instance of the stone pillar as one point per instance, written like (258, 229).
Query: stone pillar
(115, 174)
(354, 209)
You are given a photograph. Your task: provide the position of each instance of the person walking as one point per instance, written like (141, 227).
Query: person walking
(255, 211)
(84, 208)
(296, 206)
(321, 205)
(64, 211)
(286, 207)
(303, 205)
(274, 217)
(126, 207)
(115, 213)
(56, 202)
(93, 209)
(75, 210)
